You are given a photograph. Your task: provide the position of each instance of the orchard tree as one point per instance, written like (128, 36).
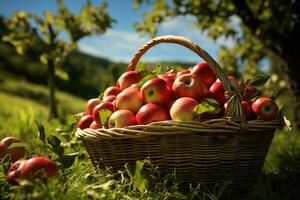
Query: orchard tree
(55, 36)
(266, 29)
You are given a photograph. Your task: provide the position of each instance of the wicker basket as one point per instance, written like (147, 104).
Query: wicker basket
(200, 152)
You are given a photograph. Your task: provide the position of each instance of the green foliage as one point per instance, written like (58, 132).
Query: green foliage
(256, 28)
(26, 30)
(207, 105)
(104, 115)
(46, 33)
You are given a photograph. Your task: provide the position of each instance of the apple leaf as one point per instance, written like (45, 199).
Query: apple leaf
(178, 68)
(56, 145)
(140, 67)
(140, 182)
(208, 105)
(41, 131)
(67, 160)
(158, 70)
(104, 115)
(257, 80)
(145, 79)
(101, 95)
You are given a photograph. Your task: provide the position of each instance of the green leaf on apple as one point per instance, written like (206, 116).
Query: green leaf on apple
(257, 80)
(104, 115)
(207, 105)
(178, 68)
(158, 70)
(144, 80)
(56, 145)
(101, 95)
(140, 67)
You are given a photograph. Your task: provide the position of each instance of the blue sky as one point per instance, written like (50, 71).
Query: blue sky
(121, 42)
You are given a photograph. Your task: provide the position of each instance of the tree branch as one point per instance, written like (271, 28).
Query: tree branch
(244, 12)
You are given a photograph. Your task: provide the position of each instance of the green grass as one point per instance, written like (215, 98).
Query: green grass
(23, 104)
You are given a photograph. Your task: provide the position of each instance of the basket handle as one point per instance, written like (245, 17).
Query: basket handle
(234, 109)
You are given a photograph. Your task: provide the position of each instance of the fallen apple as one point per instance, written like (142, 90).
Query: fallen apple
(15, 153)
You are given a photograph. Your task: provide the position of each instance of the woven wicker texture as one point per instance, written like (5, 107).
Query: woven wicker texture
(200, 152)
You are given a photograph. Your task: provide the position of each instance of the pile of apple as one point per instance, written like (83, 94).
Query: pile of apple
(170, 96)
(22, 169)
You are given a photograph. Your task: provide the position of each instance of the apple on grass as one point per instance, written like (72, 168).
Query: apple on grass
(129, 99)
(112, 90)
(128, 78)
(85, 121)
(98, 108)
(15, 153)
(205, 73)
(121, 118)
(183, 109)
(151, 112)
(31, 169)
(91, 105)
(189, 85)
(156, 91)
(265, 108)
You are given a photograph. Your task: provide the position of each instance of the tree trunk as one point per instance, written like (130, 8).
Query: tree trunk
(290, 54)
(51, 85)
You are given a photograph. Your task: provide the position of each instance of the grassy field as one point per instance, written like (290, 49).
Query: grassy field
(24, 104)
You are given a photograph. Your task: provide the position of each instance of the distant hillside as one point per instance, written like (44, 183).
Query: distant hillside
(88, 75)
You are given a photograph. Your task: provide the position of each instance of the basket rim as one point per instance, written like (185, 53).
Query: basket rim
(213, 127)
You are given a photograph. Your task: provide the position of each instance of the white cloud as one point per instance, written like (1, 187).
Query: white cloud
(120, 45)
(117, 45)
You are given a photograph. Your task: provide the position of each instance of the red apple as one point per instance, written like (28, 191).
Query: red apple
(183, 109)
(216, 91)
(13, 173)
(248, 92)
(189, 85)
(121, 118)
(31, 169)
(151, 112)
(128, 78)
(156, 91)
(15, 153)
(205, 73)
(95, 125)
(246, 106)
(109, 98)
(129, 99)
(265, 108)
(101, 106)
(112, 90)
(85, 121)
(185, 71)
(91, 104)
(169, 78)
